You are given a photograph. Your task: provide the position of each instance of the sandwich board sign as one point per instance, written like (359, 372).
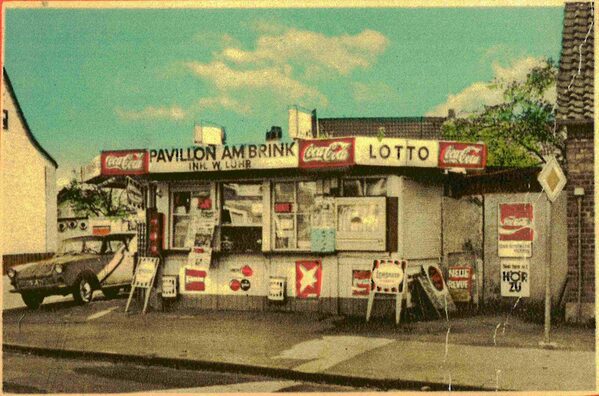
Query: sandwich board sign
(388, 277)
(143, 279)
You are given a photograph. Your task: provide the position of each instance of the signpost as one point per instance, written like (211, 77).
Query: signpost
(388, 277)
(553, 180)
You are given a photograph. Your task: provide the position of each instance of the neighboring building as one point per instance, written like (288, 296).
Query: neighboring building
(575, 92)
(28, 196)
(393, 127)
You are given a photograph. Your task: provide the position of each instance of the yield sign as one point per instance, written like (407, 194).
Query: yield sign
(552, 179)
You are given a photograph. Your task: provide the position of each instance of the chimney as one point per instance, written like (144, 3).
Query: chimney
(275, 134)
(450, 113)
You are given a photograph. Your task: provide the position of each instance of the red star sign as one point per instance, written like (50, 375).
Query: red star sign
(308, 278)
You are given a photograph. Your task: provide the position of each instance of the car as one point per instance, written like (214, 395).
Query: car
(81, 265)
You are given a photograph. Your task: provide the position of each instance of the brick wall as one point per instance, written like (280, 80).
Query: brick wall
(580, 174)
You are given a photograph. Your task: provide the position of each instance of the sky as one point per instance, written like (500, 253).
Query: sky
(99, 79)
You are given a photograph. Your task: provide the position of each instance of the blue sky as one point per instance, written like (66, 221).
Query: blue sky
(90, 80)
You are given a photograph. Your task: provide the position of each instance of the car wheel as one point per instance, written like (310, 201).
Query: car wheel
(32, 300)
(111, 293)
(83, 290)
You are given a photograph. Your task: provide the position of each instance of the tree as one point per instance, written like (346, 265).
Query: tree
(92, 200)
(521, 130)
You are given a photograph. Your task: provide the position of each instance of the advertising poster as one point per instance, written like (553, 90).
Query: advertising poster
(360, 283)
(192, 280)
(308, 279)
(516, 229)
(515, 278)
(240, 278)
(459, 283)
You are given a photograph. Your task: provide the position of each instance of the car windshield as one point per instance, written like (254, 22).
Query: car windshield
(91, 245)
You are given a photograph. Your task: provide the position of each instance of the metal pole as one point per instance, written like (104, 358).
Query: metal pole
(579, 252)
(548, 279)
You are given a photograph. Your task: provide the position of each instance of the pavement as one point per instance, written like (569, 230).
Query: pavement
(481, 352)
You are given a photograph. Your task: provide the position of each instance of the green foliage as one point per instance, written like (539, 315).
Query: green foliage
(521, 129)
(91, 200)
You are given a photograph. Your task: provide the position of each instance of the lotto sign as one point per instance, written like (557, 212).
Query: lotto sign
(516, 229)
(308, 278)
(387, 275)
(515, 278)
(459, 283)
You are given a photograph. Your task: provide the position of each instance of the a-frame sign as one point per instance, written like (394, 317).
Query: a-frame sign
(388, 277)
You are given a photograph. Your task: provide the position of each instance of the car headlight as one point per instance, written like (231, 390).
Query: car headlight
(58, 268)
(11, 273)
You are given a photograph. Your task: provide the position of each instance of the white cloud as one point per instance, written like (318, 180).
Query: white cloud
(340, 54)
(276, 79)
(152, 113)
(225, 102)
(479, 94)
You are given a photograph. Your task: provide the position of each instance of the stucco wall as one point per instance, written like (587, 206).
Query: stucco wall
(559, 267)
(28, 220)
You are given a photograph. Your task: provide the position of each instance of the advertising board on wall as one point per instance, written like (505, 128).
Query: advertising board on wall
(326, 153)
(515, 278)
(308, 279)
(459, 283)
(223, 158)
(515, 229)
(462, 155)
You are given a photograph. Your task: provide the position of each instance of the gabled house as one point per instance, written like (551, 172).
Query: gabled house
(28, 187)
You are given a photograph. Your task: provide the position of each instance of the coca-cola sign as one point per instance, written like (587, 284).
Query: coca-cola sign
(462, 155)
(128, 162)
(326, 153)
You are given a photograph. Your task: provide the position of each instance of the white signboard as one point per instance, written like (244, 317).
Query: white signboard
(91, 170)
(387, 276)
(224, 158)
(396, 152)
(515, 278)
(145, 271)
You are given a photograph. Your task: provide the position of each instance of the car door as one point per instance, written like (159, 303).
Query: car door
(119, 271)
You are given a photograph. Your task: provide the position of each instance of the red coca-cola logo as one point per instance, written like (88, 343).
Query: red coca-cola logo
(462, 155)
(130, 162)
(326, 153)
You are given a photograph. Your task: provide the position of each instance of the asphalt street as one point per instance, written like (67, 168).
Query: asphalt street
(58, 375)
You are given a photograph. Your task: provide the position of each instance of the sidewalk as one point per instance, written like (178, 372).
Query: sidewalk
(305, 343)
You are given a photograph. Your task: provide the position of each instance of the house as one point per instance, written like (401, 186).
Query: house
(575, 90)
(28, 187)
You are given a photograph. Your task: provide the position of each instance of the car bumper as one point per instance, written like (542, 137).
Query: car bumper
(49, 285)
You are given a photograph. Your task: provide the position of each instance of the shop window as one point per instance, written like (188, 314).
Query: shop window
(241, 225)
(5, 119)
(362, 223)
(182, 202)
(365, 187)
(293, 205)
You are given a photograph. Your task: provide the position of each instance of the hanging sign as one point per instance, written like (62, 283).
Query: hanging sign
(396, 152)
(462, 155)
(124, 162)
(308, 278)
(515, 278)
(516, 229)
(326, 153)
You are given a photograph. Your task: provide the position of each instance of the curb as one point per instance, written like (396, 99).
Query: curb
(282, 373)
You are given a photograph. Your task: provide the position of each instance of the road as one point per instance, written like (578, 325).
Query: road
(58, 375)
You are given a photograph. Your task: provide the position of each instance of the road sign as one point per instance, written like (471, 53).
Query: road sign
(552, 179)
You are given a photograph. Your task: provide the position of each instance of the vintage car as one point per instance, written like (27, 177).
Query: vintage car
(82, 265)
